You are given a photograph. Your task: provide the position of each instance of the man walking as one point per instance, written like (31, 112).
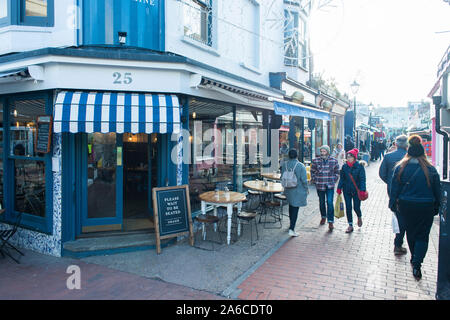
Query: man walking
(324, 174)
(386, 171)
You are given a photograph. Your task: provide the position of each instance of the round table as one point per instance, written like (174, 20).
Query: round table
(271, 176)
(258, 185)
(223, 199)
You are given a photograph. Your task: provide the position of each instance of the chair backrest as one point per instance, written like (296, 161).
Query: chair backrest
(15, 225)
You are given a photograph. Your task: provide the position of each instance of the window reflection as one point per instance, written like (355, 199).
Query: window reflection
(23, 114)
(212, 148)
(36, 8)
(30, 187)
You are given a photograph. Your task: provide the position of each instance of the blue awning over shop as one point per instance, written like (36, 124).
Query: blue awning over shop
(116, 112)
(287, 109)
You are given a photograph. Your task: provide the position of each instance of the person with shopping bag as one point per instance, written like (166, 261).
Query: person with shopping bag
(352, 184)
(415, 194)
(339, 207)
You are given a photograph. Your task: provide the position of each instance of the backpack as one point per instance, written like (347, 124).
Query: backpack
(289, 178)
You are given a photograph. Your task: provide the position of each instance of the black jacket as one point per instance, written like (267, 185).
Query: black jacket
(387, 166)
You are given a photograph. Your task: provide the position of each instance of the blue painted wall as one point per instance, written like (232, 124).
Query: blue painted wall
(142, 20)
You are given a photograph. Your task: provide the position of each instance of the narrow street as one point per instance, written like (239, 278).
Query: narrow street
(361, 265)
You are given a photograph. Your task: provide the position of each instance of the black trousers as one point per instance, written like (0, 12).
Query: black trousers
(418, 219)
(293, 214)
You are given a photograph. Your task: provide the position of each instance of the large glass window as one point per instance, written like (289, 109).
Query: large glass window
(29, 166)
(2, 204)
(295, 46)
(198, 20)
(249, 150)
(212, 149)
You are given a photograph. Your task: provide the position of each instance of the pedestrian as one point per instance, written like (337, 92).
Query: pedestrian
(352, 168)
(324, 174)
(385, 172)
(349, 145)
(415, 193)
(382, 147)
(339, 154)
(296, 196)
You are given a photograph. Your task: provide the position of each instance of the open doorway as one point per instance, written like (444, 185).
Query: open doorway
(137, 161)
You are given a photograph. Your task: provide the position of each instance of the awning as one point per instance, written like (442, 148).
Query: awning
(116, 112)
(291, 109)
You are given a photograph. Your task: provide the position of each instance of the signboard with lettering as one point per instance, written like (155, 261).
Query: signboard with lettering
(172, 211)
(43, 134)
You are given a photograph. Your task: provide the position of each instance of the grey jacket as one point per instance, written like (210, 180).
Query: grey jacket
(296, 196)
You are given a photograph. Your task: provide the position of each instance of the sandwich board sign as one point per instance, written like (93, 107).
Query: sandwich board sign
(172, 214)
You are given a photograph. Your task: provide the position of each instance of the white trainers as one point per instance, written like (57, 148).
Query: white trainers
(292, 233)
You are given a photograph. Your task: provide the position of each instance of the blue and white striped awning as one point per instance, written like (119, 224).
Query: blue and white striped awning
(116, 112)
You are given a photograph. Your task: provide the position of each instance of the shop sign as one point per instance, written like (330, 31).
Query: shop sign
(43, 134)
(172, 212)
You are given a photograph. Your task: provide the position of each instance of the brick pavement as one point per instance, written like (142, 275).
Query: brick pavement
(339, 266)
(44, 278)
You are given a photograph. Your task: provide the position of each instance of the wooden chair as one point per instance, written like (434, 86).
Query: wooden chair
(206, 221)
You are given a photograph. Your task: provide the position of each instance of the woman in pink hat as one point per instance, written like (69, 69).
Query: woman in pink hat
(352, 169)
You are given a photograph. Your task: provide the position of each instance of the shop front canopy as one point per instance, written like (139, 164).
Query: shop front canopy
(291, 109)
(116, 112)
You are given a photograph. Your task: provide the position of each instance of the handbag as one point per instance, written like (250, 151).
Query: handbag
(362, 195)
(407, 183)
(289, 178)
(339, 207)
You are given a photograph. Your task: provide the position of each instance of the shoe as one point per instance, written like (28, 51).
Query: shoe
(398, 251)
(330, 226)
(322, 221)
(292, 233)
(417, 273)
(359, 222)
(349, 229)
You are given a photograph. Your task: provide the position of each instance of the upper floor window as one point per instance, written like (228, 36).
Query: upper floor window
(198, 20)
(27, 12)
(295, 46)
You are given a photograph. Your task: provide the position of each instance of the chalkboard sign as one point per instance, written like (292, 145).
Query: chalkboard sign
(43, 134)
(172, 211)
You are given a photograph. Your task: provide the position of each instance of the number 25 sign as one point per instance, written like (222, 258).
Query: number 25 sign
(122, 78)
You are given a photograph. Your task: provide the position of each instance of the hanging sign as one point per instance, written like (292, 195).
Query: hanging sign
(43, 134)
(172, 212)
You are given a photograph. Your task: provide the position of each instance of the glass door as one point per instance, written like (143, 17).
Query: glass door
(101, 182)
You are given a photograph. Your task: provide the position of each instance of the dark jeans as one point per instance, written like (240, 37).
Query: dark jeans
(326, 204)
(293, 214)
(418, 219)
(348, 206)
(398, 242)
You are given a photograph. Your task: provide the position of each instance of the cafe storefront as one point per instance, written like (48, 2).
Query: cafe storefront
(110, 145)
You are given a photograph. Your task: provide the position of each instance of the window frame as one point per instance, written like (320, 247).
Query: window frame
(207, 4)
(29, 221)
(291, 60)
(5, 21)
(47, 21)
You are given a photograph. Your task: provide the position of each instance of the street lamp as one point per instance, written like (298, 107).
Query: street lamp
(355, 87)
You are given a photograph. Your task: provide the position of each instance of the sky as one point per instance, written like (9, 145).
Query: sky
(390, 47)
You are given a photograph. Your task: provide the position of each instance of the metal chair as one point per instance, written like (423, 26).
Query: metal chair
(283, 200)
(248, 217)
(207, 220)
(6, 235)
(275, 213)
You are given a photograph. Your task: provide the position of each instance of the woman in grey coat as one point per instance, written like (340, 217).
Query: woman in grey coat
(295, 196)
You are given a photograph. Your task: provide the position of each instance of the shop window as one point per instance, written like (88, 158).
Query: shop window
(29, 169)
(2, 204)
(249, 151)
(212, 150)
(198, 20)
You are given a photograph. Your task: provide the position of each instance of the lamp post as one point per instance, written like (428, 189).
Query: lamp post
(370, 114)
(355, 87)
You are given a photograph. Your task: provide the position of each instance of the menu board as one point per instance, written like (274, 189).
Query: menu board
(43, 134)
(172, 211)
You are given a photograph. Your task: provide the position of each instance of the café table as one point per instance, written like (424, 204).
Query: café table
(272, 176)
(259, 185)
(223, 199)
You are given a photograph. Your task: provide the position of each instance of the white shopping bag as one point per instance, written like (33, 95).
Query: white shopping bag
(395, 227)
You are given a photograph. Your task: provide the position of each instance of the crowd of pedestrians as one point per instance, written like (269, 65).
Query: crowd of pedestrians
(413, 186)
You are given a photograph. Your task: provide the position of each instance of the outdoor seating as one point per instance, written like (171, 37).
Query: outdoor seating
(207, 221)
(283, 200)
(5, 237)
(271, 209)
(248, 217)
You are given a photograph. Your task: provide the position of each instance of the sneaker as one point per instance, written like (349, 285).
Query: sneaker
(400, 251)
(292, 233)
(322, 221)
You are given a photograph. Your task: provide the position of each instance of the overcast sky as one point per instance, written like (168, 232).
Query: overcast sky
(391, 47)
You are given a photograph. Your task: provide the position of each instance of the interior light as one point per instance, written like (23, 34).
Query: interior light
(194, 115)
(15, 113)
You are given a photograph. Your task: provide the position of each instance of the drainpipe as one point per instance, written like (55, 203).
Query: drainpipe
(438, 106)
